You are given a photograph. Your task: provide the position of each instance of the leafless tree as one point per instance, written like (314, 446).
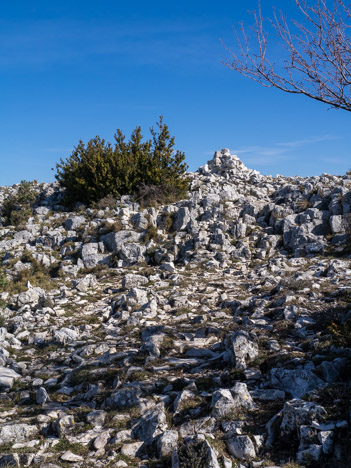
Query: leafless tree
(318, 52)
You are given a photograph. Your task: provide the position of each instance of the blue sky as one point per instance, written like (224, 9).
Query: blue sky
(71, 70)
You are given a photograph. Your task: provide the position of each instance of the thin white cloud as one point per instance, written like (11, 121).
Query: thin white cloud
(261, 150)
(278, 151)
(317, 139)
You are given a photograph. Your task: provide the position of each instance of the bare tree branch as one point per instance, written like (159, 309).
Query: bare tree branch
(318, 63)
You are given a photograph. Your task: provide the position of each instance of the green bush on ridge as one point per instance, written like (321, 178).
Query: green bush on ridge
(97, 170)
(17, 208)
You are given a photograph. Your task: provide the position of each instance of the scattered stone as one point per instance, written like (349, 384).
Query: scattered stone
(101, 440)
(8, 377)
(71, 457)
(201, 315)
(241, 447)
(131, 450)
(97, 418)
(167, 442)
(42, 396)
(9, 460)
(242, 348)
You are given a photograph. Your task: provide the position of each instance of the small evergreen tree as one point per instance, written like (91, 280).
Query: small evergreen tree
(96, 170)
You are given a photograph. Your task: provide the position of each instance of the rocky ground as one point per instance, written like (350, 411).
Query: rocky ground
(212, 332)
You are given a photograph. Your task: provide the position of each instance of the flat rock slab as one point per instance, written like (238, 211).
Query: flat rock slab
(7, 377)
(17, 433)
(297, 382)
(71, 457)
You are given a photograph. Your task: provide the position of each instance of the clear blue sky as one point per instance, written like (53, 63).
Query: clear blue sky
(74, 69)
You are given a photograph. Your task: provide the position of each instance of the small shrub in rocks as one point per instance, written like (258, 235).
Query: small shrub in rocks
(193, 455)
(17, 208)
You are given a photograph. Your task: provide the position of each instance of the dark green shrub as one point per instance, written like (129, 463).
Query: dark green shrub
(17, 208)
(168, 221)
(347, 225)
(194, 455)
(97, 170)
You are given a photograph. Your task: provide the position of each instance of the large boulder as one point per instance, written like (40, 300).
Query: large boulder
(167, 442)
(115, 240)
(181, 219)
(73, 223)
(151, 424)
(17, 433)
(222, 403)
(31, 296)
(65, 335)
(241, 348)
(241, 447)
(91, 256)
(132, 252)
(227, 402)
(337, 224)
(298, 412)
(85, 283)
(297, 382)
(131, 280)
(23, 237)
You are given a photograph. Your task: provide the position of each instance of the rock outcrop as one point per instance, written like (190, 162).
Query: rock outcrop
(214, 331)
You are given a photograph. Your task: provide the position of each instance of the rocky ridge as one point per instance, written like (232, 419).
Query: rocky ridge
(211, 332)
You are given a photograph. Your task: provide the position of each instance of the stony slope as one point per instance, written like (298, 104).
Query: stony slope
(213, 332)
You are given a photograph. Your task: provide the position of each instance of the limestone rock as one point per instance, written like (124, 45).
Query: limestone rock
(65, 335)
(73, 223)
(243, 349)
(241, 447)
(167, 442)
(297, 382)
(151, 424)
(42, 396)
(17, 432)
(71, 457)
(8, 377)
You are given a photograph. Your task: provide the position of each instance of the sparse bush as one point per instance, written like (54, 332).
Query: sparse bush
(151, 233)
(17, 208)
(111, 227)
(341, 333)
(153, 195)
(302, 205)
(347, 225)
(169, 220)
(109, 202)
(98, 170)
(37, 274)
(3, 281)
